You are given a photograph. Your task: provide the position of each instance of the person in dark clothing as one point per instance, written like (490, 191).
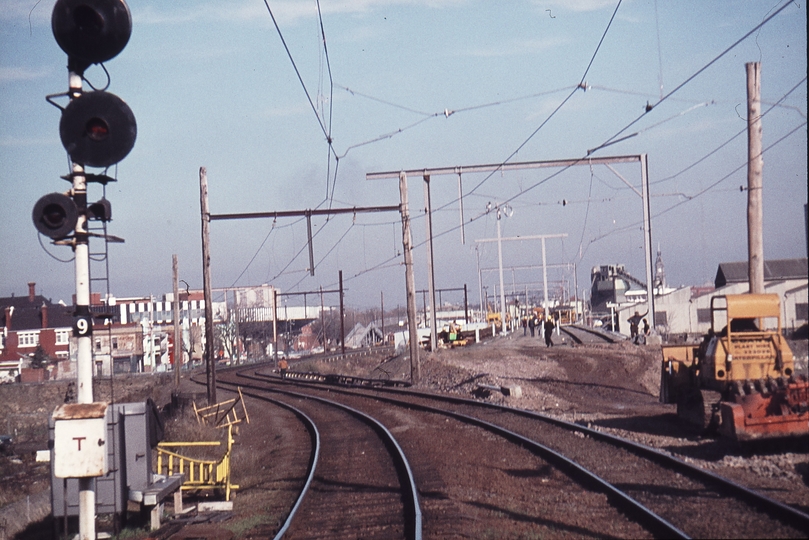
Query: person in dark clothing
(532, 322)
(549, 328)
(525, 325)
(634, 321)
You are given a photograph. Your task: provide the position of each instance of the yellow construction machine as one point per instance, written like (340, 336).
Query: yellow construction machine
(741, 378)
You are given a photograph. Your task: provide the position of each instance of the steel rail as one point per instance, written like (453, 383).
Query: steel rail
(314, 458)
(572, 335)
(411, 493)
(653, 522)
(602, 335)
(313, 461)
(775, 509)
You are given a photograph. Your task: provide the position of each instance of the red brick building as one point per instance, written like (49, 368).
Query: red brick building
(29, 322)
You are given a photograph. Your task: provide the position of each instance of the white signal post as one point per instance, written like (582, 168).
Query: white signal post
(83, 324)
(98, 130)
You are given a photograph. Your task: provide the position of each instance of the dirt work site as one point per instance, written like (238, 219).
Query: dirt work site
(613, 388)
(609, 387)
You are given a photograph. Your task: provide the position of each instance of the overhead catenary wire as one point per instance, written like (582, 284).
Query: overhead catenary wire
(767, 19)
(631, 226)
(731, 139)
(333, 247)
(297, 72)
(689, 198)
(666, 97)
(447, 112)
(581, 85)
(612, 139)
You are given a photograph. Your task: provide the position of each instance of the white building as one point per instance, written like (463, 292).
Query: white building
(688, 310)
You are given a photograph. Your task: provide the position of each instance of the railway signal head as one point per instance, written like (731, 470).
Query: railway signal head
(100, 210)
(91, 31)
(98, 129)
(55, 215)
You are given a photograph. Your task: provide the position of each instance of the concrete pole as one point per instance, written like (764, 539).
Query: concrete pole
(647, 238)
(755, 164)
(480, 286)
(428, 213)
(460, 203)
(275, 325)
(500, 266)
(544, 278)
(178, 335)
(576, 291)
(210, 359)
(410, 281)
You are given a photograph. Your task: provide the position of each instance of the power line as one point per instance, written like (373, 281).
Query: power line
(298, 73)
(522, 192)
(427, 116)
(592, 59)
(649, 108)
(690, 198)
(582, 85)
(740, 167)
(742, 131)
(378, 100)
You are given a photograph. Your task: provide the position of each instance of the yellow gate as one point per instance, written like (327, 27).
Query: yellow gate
(199, 473)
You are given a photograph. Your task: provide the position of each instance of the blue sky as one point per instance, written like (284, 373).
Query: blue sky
(211, 84)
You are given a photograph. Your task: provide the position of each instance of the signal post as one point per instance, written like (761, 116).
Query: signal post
(97, 129)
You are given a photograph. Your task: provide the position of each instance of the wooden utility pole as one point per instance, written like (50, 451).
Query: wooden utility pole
(178, 332)
(210, 360)
(410, 281)
(342, 318)
(323, 324)
(428, 216)
(275, 325)
(755, 164)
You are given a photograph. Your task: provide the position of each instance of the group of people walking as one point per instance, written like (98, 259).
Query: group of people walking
(543, 328)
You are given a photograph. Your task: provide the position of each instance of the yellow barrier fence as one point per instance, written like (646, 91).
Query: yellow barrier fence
(199, 473)
(222, 414)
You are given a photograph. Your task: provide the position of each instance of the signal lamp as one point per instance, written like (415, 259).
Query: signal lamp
(100, 210)
(98, 129)
(55, 215)
(91, 31)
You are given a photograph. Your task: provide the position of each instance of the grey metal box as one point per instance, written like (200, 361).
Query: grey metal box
(133, 429)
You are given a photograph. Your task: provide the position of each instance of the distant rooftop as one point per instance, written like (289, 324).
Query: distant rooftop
(775, 270)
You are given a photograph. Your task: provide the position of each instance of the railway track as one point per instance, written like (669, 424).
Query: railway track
(357, 481)
(585, 335)
(663, 490)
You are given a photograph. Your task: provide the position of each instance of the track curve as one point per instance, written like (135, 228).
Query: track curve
(680, 494)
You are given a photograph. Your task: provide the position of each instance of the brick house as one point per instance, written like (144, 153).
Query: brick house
(32, 321)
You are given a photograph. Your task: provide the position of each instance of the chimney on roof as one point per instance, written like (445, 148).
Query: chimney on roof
(32, 287)
(9, 313)
(44, 313)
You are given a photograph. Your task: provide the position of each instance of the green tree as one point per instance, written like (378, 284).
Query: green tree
(40, 358)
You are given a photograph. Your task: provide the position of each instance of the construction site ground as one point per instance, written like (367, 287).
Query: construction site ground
(609, 387)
